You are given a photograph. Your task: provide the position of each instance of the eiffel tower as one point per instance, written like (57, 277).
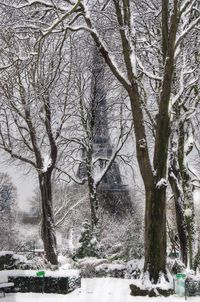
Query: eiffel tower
(112, 194)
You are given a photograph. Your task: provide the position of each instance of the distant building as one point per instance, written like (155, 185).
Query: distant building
(113, 194)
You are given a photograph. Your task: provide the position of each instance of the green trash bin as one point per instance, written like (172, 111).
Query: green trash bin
(180, 284)
(41, 274)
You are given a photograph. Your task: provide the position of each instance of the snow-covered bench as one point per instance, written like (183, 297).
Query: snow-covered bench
(192, 288)
(4, 284)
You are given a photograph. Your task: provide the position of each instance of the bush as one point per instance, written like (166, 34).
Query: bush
(122, 238)
(9, 260)
(89, 245)
(111, 270)
(88, 266)
(134, 268)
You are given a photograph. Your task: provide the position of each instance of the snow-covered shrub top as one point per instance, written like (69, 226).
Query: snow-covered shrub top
(110, 267)
(19, 259)
(88, 265)
(4, 253)
(135, 264)
(188, 212)
(9, 260)
(65, 263)
(63, 260)
(91, 261)
(31, 273)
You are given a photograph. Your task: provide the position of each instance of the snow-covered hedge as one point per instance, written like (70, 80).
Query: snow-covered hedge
(134, 268)
(9, 260)
(92, 267)
(60, 282)
(111, 270)
(88, 266)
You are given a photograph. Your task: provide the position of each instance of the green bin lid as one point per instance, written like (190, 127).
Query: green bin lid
(40, 274)
(180, 276)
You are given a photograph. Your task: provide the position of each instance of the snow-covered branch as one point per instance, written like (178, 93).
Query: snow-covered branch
(66, 212)
(71, 177)
(146, 72)
(58, 21)
(186, 31)
(17, 156)
(42, 4)
(9, 65)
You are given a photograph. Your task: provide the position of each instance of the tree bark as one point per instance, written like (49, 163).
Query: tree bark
(48, 225)
(155, 233)
(155, 211)
(180, 220)
(93, 203)
(187, 192)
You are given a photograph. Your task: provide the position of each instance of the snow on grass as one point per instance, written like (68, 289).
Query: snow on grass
(95, 290)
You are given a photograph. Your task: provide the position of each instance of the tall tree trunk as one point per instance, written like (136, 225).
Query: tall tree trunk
(179, 208)
(175, 180)
(155, 220)
(187, 191)
(155, 210)
(180, 183)
(93, 206)
(48, 226)
(155, 232)
(93, 203)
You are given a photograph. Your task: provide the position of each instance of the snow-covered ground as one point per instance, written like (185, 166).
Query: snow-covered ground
(94, 290)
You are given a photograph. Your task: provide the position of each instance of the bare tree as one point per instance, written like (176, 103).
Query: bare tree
(32, 89)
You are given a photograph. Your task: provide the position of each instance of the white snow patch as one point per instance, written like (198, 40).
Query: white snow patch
(188, 212)
(92, 261)
(95, 290)
(110, 267)
(196, 196)
(63, 260)
(46, 162)
(4, 253)
(161, 183)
